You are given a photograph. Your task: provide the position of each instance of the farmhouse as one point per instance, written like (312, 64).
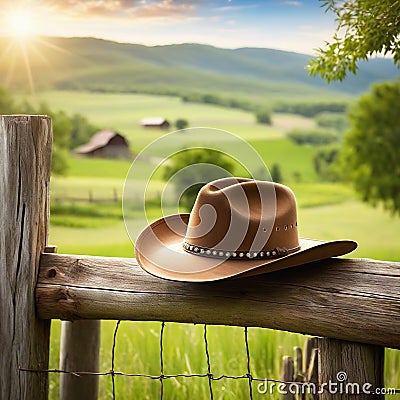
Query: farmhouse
(107, 144)
(155, 122)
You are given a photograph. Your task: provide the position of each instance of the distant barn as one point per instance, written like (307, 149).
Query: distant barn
(107, 144)
(155, 122)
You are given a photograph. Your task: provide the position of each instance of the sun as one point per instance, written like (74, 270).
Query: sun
(20, 23)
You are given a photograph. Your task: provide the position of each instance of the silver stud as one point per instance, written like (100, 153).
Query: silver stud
(262, 254)
(254, 254)
(234, 255)
(221, 253)
(208, 252)
(214, 253)
(201, 251)
(268, 253)
(196, 249)
(273, 253)
(227, 254)
(248, 255)
(191, 247)
(241, 255)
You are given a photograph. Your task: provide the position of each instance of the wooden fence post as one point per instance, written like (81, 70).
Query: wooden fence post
(352, 365)
(287, 376)
(25, 158)
(79, 351)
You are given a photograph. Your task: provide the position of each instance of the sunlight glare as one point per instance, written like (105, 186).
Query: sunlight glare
(20, 23)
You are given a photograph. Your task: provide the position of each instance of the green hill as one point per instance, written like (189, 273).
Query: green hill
(248, 73)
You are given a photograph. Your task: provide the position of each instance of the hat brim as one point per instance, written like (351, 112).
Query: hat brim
(159, 251)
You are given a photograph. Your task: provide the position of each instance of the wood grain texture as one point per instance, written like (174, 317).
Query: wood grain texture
(80, 350)
(356, 300)
(25, 156)
(349, 363)
(287, 375)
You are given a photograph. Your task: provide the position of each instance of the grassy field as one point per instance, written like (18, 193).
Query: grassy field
(326, 211)
(123, 112)
(138, 342)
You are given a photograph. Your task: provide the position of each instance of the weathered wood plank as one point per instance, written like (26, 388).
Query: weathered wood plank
(354, 369)
(287, 375)
(79, 351)
(25, 154)
(355, 300)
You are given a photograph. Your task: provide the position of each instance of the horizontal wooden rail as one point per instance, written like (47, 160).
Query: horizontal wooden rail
(349, 299)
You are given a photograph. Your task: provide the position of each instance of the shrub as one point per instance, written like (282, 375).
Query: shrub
(263, 116)
(315, 137)
(325, 163)
(310, 109)
(330, 120)
(276, 173)
(181, 123)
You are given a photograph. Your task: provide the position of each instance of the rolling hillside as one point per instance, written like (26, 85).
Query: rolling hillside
(251, 73)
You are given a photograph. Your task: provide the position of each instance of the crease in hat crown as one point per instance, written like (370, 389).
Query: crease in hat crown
(240, 218)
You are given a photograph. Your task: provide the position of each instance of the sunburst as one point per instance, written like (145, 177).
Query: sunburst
(20, 23)
(23, 46)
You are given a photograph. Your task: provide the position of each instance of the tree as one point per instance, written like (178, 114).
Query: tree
(371, 151)
(325, 163)
(6, 102)
(61, 138)
(264, 116)
(276, 173)
(314, 137)
(81, 130)
(181, 123)
(364, 28)
(335, 121)
(203, 167)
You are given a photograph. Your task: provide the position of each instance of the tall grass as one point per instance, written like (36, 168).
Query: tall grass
(326, 211)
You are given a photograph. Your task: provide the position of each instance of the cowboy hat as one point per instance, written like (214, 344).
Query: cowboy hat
(237, 227)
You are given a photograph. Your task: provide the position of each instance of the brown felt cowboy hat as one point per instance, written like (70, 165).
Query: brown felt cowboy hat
(238, 227)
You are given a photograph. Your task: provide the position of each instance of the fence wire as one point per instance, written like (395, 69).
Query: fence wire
(162, 376)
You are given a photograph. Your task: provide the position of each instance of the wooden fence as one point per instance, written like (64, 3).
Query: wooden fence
(353, 305)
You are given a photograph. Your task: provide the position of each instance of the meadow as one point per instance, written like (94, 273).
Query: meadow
(326, 211)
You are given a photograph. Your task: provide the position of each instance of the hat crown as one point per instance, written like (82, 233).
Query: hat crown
(242, 215)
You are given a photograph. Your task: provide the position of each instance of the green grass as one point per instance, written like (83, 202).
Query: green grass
(138, 342)
(97, 167)
(295, 161)
(138, 351)
(326, 211)
(123, 113)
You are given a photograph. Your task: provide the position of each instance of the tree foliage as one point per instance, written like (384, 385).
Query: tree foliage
(181, 123)
(325, 163)
(6, 102)
(371, 153)
(205, 165)
(335, 121)
(263, 116)
(276, 173)
(310, 108)
(314, 137)
(81, 130)
(364, 28)
(68, 131)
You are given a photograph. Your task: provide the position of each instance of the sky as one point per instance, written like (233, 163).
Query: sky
(294, 25)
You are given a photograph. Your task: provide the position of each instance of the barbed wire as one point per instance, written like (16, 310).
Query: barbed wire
(162, 376)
